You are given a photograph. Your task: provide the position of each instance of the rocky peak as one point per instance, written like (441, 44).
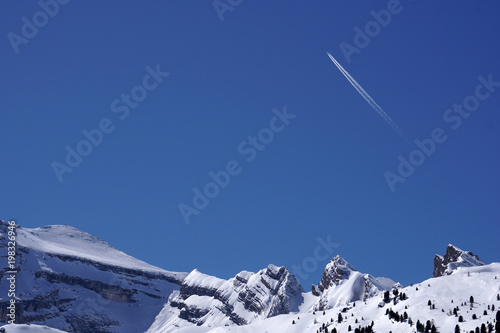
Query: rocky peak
(337, 270)
(341, 283)
(204, 300)
(453, 259)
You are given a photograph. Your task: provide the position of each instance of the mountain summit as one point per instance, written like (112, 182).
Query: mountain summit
(341, 283)
(453, 259)
(208, 301)
(337, 270)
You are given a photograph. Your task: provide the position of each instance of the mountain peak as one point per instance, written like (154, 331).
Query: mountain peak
(341, 283)
(453, 259)
(206, 300)
(337, 270)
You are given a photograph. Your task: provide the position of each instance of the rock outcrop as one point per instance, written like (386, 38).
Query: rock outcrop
(453, 259)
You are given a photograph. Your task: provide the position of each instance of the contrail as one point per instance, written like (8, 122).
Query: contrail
(367, 97)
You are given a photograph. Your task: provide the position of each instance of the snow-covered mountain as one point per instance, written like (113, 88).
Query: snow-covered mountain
(453, 259)
(341, 283)
(75, 282)
(448, 295)
(210, 302)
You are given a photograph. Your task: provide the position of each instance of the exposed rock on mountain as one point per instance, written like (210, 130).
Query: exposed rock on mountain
(453, 259)
(341, 283)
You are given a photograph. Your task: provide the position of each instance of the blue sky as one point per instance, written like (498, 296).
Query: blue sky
(321, 173)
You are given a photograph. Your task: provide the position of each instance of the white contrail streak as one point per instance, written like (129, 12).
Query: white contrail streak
(367, 97)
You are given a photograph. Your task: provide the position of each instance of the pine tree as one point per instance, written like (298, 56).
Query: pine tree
(387, 296)
(457, 329)
(497, 325)
(428, 325)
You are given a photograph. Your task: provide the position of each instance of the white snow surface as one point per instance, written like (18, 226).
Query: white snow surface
(70, 241)
(22, 328)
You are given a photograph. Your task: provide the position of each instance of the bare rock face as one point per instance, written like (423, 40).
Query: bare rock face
(336, 271)
(453, 259)
(68, 279)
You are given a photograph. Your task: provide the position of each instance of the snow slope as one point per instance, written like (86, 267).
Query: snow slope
(69, 241)
(29, 329)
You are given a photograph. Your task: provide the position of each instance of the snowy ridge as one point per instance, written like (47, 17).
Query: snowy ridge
(209, 302)
(21, 328)
(69, 241)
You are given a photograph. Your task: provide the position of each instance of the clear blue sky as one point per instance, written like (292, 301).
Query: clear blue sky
(321, 174)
